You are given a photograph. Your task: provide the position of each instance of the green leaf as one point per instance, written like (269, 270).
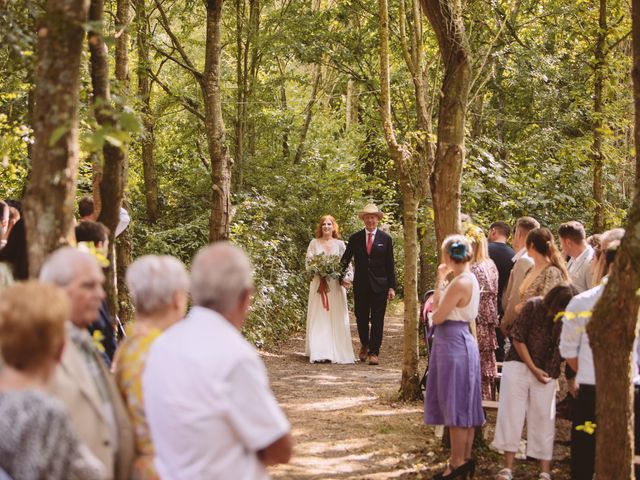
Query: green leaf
(57, 134)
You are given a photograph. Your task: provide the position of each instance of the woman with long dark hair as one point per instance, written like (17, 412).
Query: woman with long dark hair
(549, 268)
(528, 386)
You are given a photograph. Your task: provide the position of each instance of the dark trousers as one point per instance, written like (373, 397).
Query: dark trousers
(583, 445)
(369, 309)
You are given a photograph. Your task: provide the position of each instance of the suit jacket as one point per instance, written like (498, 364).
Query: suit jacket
(376, 269)
(580, 270)
(72, 384)
(511, 296)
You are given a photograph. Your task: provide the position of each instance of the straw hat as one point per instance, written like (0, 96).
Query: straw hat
(370, 209)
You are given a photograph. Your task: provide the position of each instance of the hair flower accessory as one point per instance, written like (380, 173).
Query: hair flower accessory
(458, 250)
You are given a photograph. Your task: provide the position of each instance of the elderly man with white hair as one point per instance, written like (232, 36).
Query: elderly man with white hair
(210, 409)
(81, 380)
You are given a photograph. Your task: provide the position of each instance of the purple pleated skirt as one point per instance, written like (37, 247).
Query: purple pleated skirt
(453, 395)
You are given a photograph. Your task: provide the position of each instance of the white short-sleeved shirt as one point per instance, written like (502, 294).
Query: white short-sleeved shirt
(208, 402)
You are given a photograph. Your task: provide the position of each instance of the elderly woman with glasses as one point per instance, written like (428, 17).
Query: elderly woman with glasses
(158, 286)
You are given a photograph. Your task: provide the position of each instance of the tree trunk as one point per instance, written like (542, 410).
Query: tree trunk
(612, 330)
(446, 20)
(210, 82)
(151, 191)
(50, 199)
(315, 82)
(596, 149)
(286, 152)
(123, 242)
(351, 113)
(413, 189)
(241, 106)
(114, 156)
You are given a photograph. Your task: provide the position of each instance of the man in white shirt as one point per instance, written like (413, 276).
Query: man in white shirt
(573, 241)
(575, 348)
(210, 409)
(522, 263)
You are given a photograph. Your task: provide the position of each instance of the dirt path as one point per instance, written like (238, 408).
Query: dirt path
(348, 424)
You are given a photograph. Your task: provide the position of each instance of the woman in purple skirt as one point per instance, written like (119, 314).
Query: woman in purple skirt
(453, 394)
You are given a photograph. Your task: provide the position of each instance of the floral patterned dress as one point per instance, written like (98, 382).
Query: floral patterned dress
(129, 363)
(486, 323)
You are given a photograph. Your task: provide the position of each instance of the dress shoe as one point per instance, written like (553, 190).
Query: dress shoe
(364, 350)
(373, 360)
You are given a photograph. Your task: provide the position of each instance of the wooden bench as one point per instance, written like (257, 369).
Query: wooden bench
(490, 404)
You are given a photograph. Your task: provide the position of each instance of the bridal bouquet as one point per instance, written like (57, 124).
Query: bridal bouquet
(325, 266)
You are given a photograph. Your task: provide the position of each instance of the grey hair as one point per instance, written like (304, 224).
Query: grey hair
(61, 266)
(221, 273)
(153, 280)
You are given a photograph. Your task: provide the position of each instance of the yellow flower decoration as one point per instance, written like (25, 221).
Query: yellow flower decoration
(474, 233)
(588, 427)
(89, 247)
(98, 337)
(572, 315)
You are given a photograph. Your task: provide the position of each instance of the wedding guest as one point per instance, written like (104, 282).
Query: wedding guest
(453, 394)
(37, 439)
(4, 223)
(486, 322)
(98, 234)
(158, 287)
(528, 385)
(548, 269)
(502, 255)
(14, 254)
(522, 263)
(328, 337)
(86, 210)
(82, 380)
(574, 244)
(210, 410)
(600, 268)
(575, 348)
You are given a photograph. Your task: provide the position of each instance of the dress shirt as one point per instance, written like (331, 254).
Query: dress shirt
(579, 269)
(208, 402)
(366, 237)
(574, 341)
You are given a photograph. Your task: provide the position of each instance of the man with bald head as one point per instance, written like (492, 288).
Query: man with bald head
(81, 380)
(210, 409)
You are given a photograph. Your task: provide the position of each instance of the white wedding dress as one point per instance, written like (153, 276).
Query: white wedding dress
(328, 331)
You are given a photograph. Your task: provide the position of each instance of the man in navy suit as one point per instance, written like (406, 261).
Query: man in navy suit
(374, 280)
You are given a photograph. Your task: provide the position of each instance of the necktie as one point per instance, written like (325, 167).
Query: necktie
(369, 243)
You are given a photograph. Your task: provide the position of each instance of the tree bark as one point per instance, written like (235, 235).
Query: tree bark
(446, 20)
(151, 190)
(413, 186)
(596, 149)
(315, 82)
(111, 189)
(123, 242)
(220, 165)
(614, 325)
(50, 199)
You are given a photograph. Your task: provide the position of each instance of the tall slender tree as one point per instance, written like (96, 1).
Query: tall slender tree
(209, 82)
(447, 22)
(614, 325)
(411, 167)
(113, 152)
(49, 202)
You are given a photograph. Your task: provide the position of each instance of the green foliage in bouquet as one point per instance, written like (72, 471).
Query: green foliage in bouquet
(325, 266)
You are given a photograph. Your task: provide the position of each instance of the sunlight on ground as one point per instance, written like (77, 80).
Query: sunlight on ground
(331, 404)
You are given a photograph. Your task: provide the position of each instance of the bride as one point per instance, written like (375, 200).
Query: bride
(328, 332)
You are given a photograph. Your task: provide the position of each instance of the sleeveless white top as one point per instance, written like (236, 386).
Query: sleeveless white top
(469, 312)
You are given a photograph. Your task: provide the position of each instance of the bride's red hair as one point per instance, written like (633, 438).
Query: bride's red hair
(336, 229)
